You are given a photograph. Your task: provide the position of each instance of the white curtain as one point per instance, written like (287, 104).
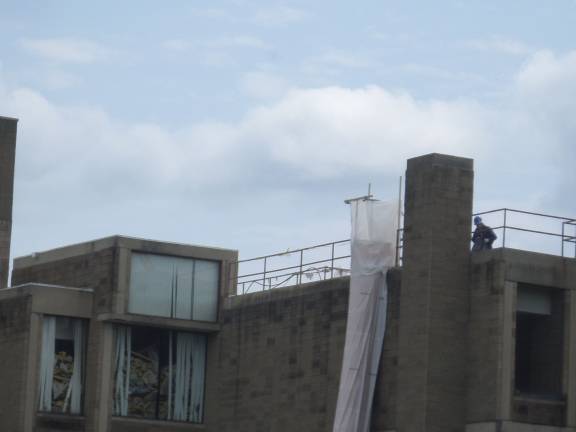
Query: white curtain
(123, 336)
(73, 400)
(374, 226)
(170, 372)
(47, 361)
(183, 376)
(189, 377)
(198, 372)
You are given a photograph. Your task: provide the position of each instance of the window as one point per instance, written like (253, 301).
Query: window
(159, 374)
(539, 341)
(62, 365)
(174, 287)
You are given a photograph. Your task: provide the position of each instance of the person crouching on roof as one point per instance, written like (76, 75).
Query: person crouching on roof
(483, 236)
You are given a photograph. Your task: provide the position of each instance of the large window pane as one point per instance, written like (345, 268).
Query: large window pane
(159, 374)
(62, 365)
(174, 287)
(206, 290)
(151, 285)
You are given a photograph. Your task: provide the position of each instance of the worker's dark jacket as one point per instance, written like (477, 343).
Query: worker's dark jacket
(483, 237)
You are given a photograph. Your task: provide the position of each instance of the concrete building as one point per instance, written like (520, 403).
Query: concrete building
(123, 334)
(7, 156)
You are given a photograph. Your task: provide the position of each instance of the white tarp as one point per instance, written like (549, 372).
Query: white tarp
(373, 245)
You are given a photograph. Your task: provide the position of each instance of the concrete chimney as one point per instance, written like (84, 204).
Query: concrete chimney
(434, 296)
(7, 157)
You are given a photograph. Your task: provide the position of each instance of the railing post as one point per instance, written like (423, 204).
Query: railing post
(504, 231)
(264, 276)
(300, 271)
(332, 263)
(397, 259)
(562, 247)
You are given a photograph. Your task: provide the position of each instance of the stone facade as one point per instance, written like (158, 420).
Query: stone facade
(7, 156)
(14, 338)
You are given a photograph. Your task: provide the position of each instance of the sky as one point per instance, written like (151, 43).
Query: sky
(245, 124)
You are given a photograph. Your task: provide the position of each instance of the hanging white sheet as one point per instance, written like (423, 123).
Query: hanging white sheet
(373, 248)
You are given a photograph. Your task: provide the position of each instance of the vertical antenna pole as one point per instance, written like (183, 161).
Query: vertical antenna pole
(399, 216)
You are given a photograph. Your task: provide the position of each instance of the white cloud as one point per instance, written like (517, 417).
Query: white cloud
(263, 85)
(501, 45)
(67, 50)
(82, 173)
(279, 15)
(321, 133)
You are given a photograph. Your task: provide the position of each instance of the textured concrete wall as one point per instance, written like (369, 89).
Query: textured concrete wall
(14, 335)
(96, 270)
(434, 295)
(495, 277)
(280, 358)
(487, 342)
(7, 156)
(280, 355)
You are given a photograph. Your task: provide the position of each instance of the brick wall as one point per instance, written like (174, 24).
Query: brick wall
(14, 336)
(280, 355)
(96, 270)
(7, 156)
(485, 333)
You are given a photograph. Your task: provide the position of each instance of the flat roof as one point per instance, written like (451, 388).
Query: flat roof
(133, 243)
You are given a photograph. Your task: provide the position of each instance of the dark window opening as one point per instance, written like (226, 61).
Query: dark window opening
(539, 342)
(159, 374)
(62, 365)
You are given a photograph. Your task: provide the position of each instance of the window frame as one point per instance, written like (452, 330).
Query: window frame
(204, 384)
(128, 281)
(84, 361)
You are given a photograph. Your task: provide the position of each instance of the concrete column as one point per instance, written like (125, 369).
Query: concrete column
(570, 357)
(7, 156)
(434, 295)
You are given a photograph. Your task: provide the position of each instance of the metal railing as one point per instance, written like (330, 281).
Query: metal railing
(519, 229)
(533, 231)
(318, 262)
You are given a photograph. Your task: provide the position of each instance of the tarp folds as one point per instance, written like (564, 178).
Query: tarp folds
(374, 227)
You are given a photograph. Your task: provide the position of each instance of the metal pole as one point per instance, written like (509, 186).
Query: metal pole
(562, 246)
(504, 231)
(264, 276)
(332, 263)
(300, 272)
(399, 217)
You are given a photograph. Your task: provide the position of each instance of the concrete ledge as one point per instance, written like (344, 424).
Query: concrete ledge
(506, 426)
(54, 299)
(125, 424)
(531, 267)
(51, 422)
(142, 245)
(151, 321)
(276, 294)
